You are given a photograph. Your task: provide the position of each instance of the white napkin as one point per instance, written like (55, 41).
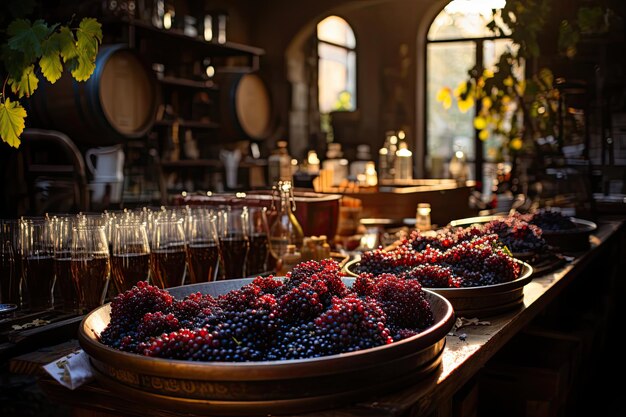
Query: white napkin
(72, 370)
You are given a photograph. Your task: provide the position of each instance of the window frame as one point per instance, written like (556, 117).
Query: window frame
(346, 48)
(478, 159)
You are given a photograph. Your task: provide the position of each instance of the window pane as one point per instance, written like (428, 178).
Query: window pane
(448, 64)
(336, 78)
(492, 50)
(336, 30)
(465, 19)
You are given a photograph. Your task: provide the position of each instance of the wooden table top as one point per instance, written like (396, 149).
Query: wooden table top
(462, 359)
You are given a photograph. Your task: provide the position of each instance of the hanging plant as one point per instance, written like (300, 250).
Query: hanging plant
(37, 46)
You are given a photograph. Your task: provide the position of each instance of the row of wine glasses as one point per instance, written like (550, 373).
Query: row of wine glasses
(75, 256)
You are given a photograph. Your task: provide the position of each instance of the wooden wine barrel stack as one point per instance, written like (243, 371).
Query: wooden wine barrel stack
(245, 107)
(118, 102)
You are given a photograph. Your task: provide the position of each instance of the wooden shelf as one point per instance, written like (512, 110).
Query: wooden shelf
(184, 82)
(192, 124)
(192, 163)
(216, 163)
(213, 49)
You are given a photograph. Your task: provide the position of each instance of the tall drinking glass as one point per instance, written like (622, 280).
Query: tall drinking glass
(62, 235)
(259, 231)
(203, 251)
(130, 259)
(90, 265)
(234, 241)
(37, 267)
(9, 263)
(167, 257)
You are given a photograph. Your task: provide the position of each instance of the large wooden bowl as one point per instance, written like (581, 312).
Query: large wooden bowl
(261, 388)
(482, 301)
(573, 240)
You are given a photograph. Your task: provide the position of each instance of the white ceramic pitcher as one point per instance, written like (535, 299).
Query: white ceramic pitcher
(109, 163)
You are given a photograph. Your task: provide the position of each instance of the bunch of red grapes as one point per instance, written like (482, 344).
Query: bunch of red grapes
(452, 258)
(517, 235)
(551, 220)
(311, 314)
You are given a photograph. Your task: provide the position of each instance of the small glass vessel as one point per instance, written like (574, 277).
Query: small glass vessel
(285, 229)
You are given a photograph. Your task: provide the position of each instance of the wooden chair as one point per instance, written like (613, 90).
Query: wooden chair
(54, 172)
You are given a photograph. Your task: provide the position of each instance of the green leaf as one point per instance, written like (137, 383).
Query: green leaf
(14, 61)
(50, 62)
(89, 35)
(26, 84)
(82, 67)
(12, 116)
(67, 43)
(27, 38)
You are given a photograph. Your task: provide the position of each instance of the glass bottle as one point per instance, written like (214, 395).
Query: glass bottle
(279, 164)
(458, 167)
(403, 163)
(422, 217)
(336, 163)
(285, 230)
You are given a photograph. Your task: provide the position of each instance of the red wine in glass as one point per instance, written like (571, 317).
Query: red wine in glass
(234, 252)
(168, 266)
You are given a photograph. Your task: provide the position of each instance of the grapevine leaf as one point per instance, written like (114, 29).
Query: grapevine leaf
(26, 84)
(67, 43)
(27, 38)
(89, 35)
(14, 61)
(50, 62)
(12, 116)
(83, 67)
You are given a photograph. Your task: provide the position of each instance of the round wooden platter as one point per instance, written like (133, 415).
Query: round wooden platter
(482, 301)
(271, 387)
(571, 241)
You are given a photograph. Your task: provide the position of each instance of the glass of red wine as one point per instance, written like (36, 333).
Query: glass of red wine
(62, 235)
(203, 250)
(9, 263)
(90, 265)
(167, 255)
(37, 268)
(234, 240)
(259, 232)
(130, 256)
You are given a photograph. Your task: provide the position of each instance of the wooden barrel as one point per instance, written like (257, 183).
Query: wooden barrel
(118, 102)
(245, 107)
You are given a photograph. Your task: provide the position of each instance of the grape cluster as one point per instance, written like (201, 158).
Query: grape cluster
(311, 314)
(187, 309)
(403, 301)
(551, 220)
(517, 235)
(455, 257)
(479, 262)
(127, 312)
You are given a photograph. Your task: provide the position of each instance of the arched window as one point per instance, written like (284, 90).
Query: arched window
(457, 41)
(336, 65)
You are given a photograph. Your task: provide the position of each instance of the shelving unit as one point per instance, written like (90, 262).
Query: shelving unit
(183, 82)
(192, 124)
(190, 99)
